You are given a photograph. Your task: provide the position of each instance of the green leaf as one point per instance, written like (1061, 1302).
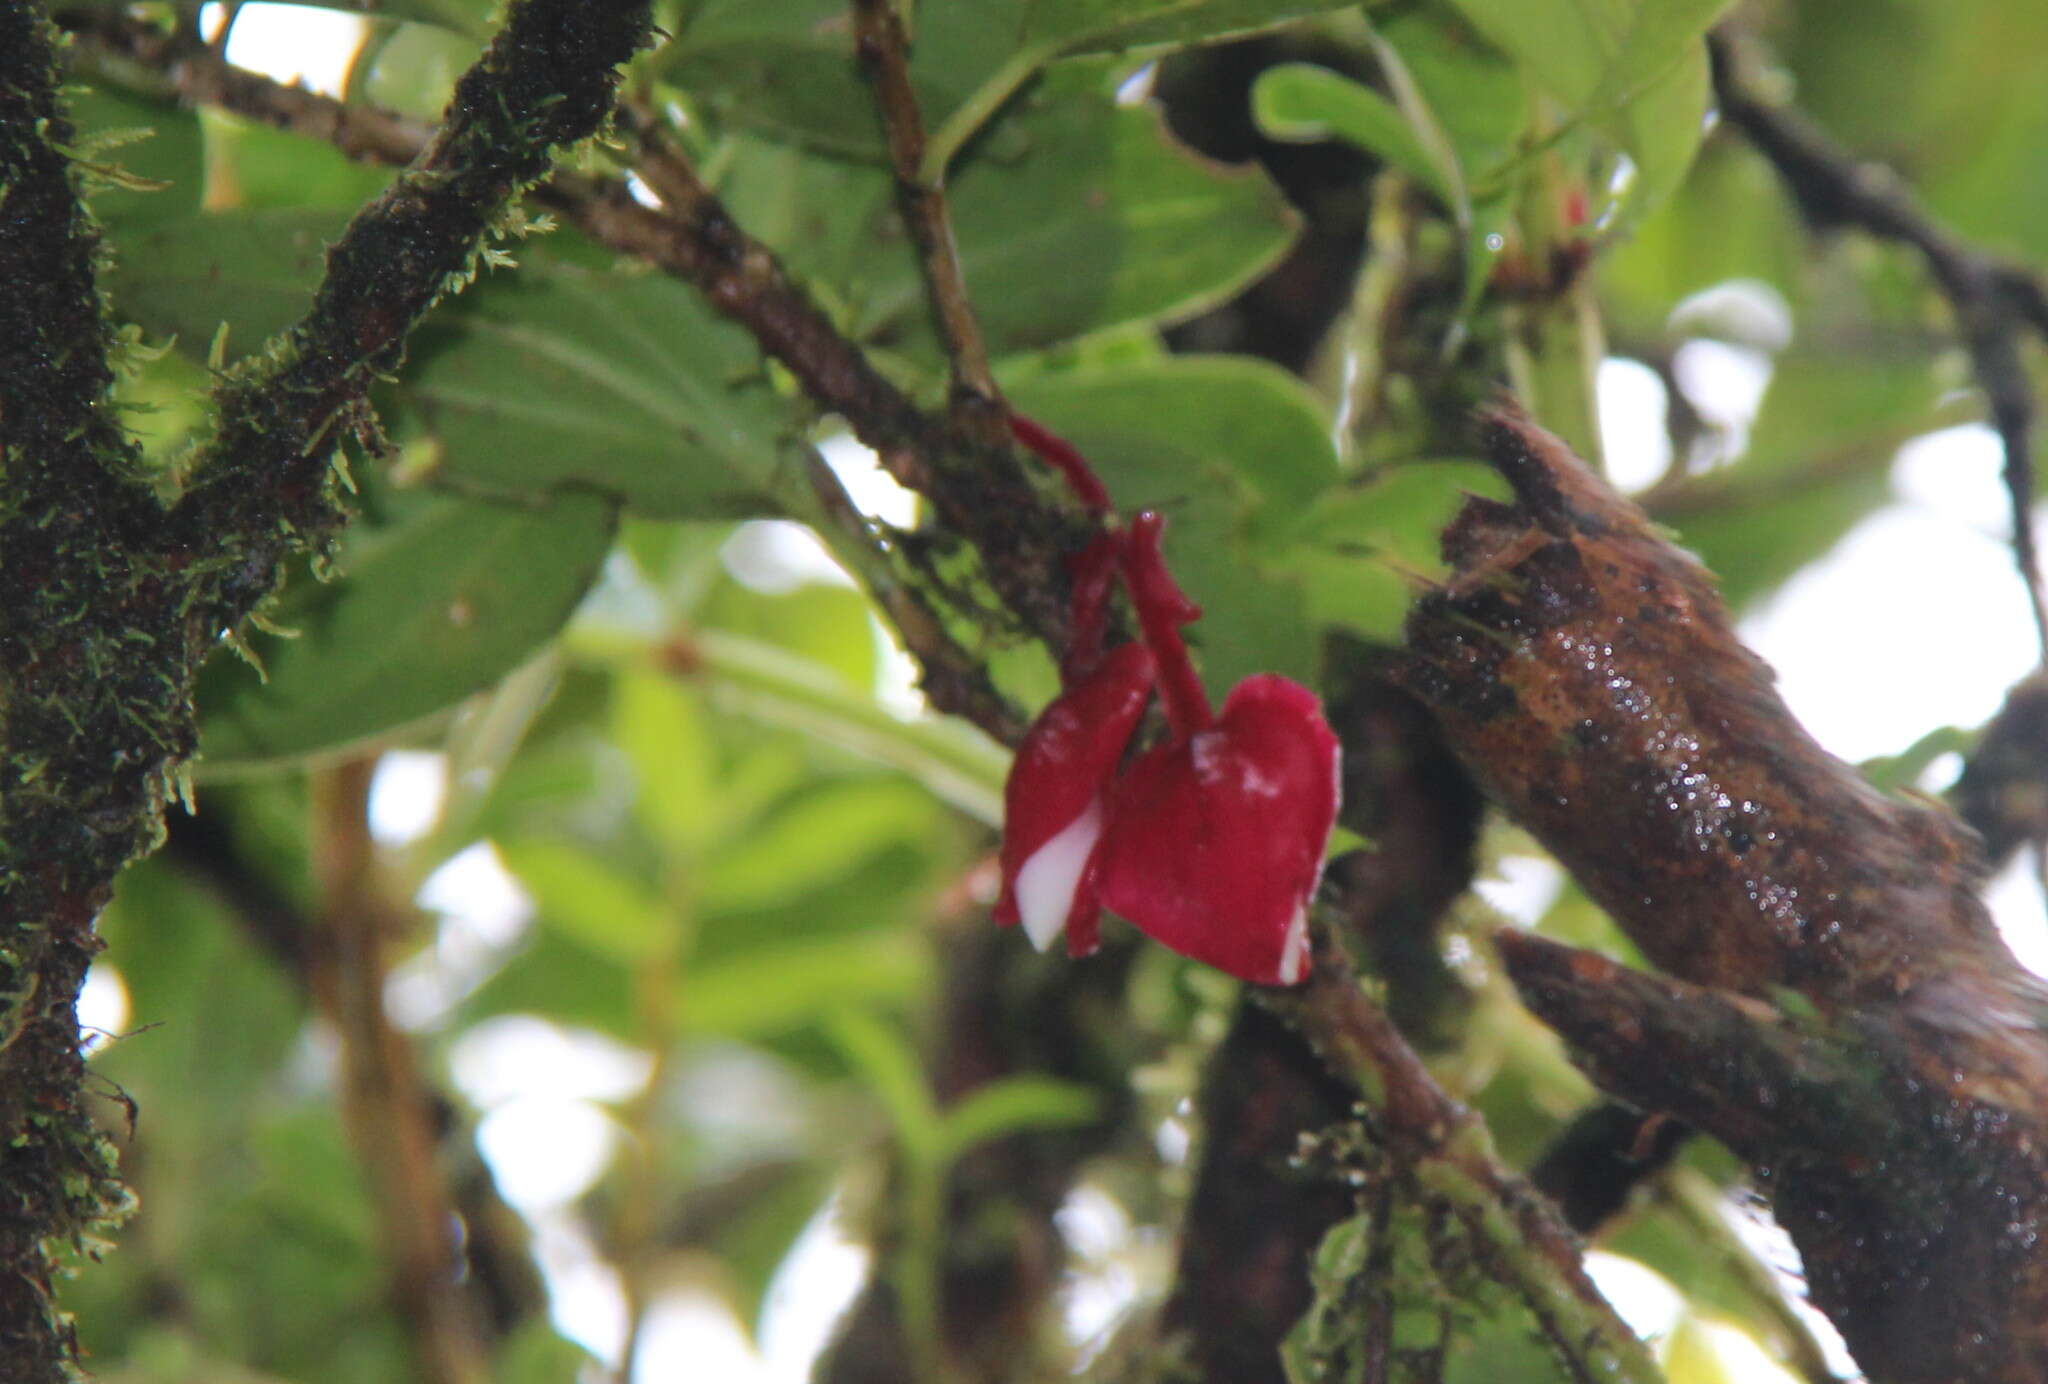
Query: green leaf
(254, 270)
(1468, 107)
(950, 758)
(814, 839)
(884, 1059)
(1303, 102)
(1098, 219)
(788, 70)
(558, 376)
(770, 990)
(1635, 69)
(251, 166)
(1106, 26)
(829, 627)
(664, 730)
(591, 901)
(1012, 1105)
(438, 599)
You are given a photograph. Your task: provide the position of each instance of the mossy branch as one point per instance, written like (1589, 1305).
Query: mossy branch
(109, 601)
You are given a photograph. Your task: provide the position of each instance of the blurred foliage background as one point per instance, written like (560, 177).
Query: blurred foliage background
(589, 799)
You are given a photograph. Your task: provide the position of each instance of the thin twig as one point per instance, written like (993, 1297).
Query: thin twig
(884, 54)
(1993, 301)
(383, 1100)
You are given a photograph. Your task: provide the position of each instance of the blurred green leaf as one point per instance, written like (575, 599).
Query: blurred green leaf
(1633, 68)
(814, 839)
(1107, 26)
(591, 901)
(253, 270)
(145, 141)
(438, 598)
(824, 626)
(950, 758)
(1302, 102)
(538, 1354)
(788, 69)
(1012, 1105)
(663, 728)
(251, 166)
(770, 990)
(884, 1059)
(413, 70)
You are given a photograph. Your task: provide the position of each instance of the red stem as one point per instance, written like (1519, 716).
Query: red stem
(1162, 609)
(1060, 454)
(1089, 574)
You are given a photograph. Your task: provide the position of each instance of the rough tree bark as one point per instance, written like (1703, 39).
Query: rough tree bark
(1843, 1013)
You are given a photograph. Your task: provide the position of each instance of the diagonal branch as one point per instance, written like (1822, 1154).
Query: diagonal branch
(1844, 1013)
(978, 492)
(883, 48)
(1446, 1149)
(1994, 302)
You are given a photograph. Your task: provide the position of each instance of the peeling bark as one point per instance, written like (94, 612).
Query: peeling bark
(1845, 1016)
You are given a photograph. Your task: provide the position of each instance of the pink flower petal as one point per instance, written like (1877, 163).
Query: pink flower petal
(1053, 801)
(1214, 846)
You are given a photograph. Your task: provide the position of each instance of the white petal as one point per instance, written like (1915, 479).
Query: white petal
(1294, 951)
(1046, 884)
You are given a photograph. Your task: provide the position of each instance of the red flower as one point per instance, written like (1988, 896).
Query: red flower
(1215, 843)
(1212, 841)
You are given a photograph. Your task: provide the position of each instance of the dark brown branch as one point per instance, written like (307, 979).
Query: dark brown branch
(1255, 1219)
(1993, 301)
(1855, 1025)
(883, 49)
(70, 503)
(2003, 792)
(952, 678)
(1594, 1165)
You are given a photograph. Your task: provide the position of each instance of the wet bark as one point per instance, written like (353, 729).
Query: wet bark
(1841, 1013)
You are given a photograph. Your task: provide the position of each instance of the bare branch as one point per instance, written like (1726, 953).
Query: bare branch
(883, 48)
(383, 1102)
(1992, 301)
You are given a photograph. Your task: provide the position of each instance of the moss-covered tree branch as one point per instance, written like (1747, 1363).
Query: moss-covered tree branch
(978, 491)
(109, 600)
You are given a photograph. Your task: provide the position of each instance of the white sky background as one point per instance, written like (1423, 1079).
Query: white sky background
(1915, 621)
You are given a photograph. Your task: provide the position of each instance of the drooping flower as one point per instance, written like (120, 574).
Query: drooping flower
(1214, 844)
(1053, 803)
(1212, 841)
